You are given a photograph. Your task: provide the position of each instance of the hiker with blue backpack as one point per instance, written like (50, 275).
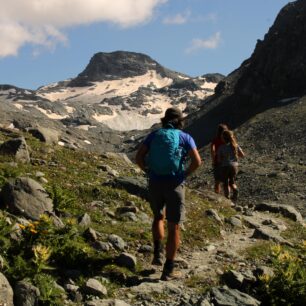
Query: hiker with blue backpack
(163, 156)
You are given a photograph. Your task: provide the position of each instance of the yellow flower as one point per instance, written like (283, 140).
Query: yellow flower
(21, 226)
(71, 221)
(41, 252)
(265, 278)
(45, 219)
(276, 249)
(285, 256)
(33, 231)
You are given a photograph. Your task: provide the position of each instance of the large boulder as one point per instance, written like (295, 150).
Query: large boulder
(224, 296)
(47, 135)
(6, 292)
(26, 197)
(137, 186)
(16, 147)
(26, 294)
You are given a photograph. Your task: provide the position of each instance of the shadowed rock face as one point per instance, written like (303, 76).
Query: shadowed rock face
(275, 71)
(277, 68)
(117, 65)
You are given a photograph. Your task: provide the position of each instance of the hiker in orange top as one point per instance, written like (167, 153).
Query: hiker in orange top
(214, 146)
(227, 155)
(162, 155)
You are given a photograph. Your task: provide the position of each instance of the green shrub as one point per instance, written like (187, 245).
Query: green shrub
(62, 200)
(288, 284)
(50, 294)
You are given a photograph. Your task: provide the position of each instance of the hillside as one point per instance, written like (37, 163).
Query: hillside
(263, 101)
(92, 244)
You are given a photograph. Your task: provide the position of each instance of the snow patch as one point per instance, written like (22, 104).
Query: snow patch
(112, 88)
(17, 105)
(49, 114)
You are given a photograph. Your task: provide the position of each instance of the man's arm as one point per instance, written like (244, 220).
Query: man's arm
(195, 161)
(140, 156)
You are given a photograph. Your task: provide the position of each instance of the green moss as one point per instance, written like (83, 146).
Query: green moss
(295, 232)
(258, 252)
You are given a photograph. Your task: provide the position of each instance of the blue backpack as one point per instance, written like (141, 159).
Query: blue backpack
(165, 156)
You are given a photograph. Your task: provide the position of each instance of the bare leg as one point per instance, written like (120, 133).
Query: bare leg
(217, 187)
(234, 188)
(158, 229)
(173, 240)
(226, 189)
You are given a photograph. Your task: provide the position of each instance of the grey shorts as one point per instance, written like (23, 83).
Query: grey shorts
(169, 195)
(229, 173)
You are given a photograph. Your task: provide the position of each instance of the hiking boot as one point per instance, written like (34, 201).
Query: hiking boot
(157, 260)
(235, 195)
(168, 275)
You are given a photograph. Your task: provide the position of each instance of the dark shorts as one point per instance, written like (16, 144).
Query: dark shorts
(228, 174)
(217, 173)
(169, 195)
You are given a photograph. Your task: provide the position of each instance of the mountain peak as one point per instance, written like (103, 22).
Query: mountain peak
(117, 65)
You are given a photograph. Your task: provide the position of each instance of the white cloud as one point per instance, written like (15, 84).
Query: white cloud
(41, 22)
(179, 18)
(210, 43)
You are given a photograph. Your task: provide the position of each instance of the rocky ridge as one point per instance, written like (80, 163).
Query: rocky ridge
(119, 90)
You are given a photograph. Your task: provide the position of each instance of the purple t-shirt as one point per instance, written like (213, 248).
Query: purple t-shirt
(185, 141)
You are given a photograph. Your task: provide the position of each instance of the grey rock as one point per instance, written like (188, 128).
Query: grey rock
(102, 246)
(145, 249)
(94, 287)
(117, 242)
(127, 260)
(233, 279)
(57, 222)
(137, 186)
(91, 234)
(85, 220)
(71, 287)
(16, 147)
(125, 209)
(223, 296)
(260, 233)
(47, 135)
(159, 288)
(39, 174)
(234, 221)
(6, 291)
(286, 210)
(213, 213)
(109, 170)
(26, 197)
(143, 217)
(129, 216)
(25, 294)
(107, 302)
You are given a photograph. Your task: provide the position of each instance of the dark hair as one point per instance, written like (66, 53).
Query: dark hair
(221, 128)
(173, 116)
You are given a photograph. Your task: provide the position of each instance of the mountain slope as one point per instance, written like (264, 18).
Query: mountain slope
(119, 90)
(264, 101)
(275, 71)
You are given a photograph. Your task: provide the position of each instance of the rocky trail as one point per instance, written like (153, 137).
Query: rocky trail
(226, 258)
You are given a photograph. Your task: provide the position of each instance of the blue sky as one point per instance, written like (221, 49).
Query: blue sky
(48, 41)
